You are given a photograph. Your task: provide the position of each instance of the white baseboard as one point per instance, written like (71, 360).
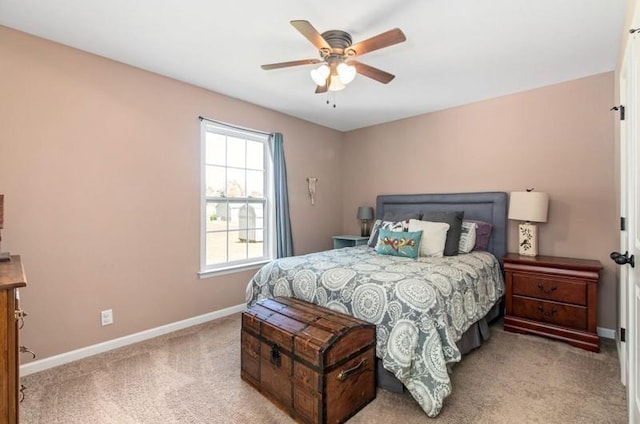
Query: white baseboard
(74, 355)
(607, 333)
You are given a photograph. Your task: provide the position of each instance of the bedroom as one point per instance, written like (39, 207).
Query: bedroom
(100, 171)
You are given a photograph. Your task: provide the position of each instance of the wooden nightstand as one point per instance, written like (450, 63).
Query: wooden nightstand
(348, 241)
(552, 297)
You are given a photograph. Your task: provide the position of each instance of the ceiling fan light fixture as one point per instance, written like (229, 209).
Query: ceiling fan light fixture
(335, 84)
(319, 76)
(346, 73)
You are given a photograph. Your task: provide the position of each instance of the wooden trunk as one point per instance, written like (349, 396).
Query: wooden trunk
(316, 364)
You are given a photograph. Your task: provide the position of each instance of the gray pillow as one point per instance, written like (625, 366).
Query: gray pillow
(483, 234)
(454, 219)
(400, 216)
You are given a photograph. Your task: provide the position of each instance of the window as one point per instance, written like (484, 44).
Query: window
(237, 206)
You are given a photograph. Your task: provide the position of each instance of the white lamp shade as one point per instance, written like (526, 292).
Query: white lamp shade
(335, 84)
(529, 206)
(346, 73)
(319, 76)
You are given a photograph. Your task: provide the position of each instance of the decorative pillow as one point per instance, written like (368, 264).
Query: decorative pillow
(467, 237)
(396, 243)
(483, 234)
(434, 236)
(454, 219)
(387, 225)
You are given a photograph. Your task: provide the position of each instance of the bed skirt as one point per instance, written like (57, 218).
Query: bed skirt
(471, 339)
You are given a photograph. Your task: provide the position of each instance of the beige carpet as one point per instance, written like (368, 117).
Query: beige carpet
(193, 376)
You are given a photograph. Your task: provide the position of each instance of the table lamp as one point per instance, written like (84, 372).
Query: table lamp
(529, 206)
(365, 214)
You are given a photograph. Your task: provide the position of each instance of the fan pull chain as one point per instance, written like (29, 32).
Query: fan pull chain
(329, 93)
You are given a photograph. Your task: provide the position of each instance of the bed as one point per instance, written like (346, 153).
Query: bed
(428, 311)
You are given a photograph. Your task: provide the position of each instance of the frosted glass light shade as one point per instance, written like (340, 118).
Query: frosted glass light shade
(319, 76)
(530, 206)
(346, 73)
(336, 84)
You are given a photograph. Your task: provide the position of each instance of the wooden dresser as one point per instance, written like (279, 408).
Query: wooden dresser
(553, 297)
(11, 278)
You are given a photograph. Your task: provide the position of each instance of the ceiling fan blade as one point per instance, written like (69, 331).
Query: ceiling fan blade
(321, 89)
(386, 39)
(292, 63)
(324, 88)
(373, 73)
(311, 34)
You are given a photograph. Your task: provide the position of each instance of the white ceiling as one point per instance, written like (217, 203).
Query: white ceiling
(457, 51)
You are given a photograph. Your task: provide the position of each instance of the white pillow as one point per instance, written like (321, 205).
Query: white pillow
(434, 235)
(467, 237)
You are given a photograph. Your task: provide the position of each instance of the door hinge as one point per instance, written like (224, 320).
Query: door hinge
(623, 223)
(623, 334)
(621, 109)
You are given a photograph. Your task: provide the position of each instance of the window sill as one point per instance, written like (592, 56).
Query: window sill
(232, 269)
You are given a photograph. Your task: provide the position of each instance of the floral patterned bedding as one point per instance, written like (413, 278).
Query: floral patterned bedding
(421, 306)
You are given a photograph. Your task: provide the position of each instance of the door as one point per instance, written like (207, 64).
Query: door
(630, 200)
(625, 158)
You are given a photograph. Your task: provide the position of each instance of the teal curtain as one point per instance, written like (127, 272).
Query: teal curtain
(284, 240)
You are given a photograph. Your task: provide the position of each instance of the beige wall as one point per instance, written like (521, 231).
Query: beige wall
(557, 139)
(99, 164)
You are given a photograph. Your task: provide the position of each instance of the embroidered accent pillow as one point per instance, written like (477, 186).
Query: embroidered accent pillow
(395, 243)
(467, 237)
(434, 236)
(387, 225)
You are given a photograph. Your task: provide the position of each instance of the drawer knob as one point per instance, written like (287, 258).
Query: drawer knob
(547, 314)
(20, 314)
(24, 349)
(549, 290)
(22, 389)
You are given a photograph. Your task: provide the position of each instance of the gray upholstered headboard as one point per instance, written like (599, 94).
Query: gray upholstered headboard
(485, 206)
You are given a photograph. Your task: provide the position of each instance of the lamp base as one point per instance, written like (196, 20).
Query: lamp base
(528, 239)
(364, 231)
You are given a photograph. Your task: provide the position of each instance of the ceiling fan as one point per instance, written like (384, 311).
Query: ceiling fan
(336, 56)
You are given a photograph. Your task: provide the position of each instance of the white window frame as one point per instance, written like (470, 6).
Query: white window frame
(269, 213)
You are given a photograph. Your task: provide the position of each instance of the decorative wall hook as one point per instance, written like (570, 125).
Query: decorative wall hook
(312, 189)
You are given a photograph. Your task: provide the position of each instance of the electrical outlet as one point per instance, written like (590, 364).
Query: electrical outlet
(106, 317)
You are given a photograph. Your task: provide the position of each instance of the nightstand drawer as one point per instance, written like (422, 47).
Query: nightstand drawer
(533, 285)
(550, 312)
